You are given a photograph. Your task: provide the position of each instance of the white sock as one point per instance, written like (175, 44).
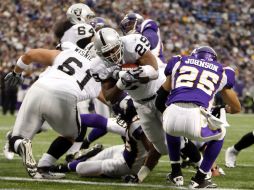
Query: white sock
(16, 144)
(74, 148)
(47, 160)
(113, 127)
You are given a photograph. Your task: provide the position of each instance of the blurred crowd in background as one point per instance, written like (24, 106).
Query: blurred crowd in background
(226, 25)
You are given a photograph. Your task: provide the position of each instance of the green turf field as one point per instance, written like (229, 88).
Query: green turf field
(13, 175)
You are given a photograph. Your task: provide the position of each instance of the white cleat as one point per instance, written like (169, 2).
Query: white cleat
(6, 151)
(230, 157)
(25, 151)
(45, 173)
(177, 181)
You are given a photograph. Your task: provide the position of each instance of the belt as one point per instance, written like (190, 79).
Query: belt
(147, 99)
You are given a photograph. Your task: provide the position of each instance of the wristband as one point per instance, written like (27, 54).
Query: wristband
(143, 173)
(21, 64)
(120, 84)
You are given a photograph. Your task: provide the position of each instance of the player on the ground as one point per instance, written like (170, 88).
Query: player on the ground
(192, 82)
(118, 160)
(233, 151)
(54, 102)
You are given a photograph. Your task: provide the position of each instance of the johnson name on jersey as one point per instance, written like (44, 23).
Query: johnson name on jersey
(205, 77)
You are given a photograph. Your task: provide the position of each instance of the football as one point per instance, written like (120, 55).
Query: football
(129, 66)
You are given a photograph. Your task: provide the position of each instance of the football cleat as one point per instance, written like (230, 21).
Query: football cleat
(25, 151)
(87, 153)
(204, 184)
(230, 157)
(6, 151)
(60, 168)
(46, 173)
(175, 179)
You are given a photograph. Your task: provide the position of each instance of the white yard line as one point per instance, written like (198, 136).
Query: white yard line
(99, 183)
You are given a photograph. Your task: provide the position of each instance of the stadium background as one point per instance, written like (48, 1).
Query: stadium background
(226, 25)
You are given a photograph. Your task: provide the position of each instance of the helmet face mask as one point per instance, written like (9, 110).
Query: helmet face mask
(204, 52)
(79, 13)
(131, 23)
(109, 46)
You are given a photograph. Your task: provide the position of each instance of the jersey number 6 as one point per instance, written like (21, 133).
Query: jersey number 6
(69, 70)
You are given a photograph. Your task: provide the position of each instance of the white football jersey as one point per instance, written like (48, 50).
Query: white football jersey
(78, 32)
(70, 73)
(136, 45)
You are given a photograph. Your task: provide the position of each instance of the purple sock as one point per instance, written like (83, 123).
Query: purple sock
(95, 134)
(94, 121)
(174, 146)
(98, 122)
(73, 165)
(18, 104)
(211, 152)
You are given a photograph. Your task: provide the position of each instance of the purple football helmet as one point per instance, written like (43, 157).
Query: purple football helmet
(131, 23)
(98, 23)
(204, 52)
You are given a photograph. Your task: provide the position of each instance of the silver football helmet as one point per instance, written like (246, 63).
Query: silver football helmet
(79, 13)
(109, 46)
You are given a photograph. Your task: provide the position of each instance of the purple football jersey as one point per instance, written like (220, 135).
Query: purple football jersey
(151, 31)
(197, 81)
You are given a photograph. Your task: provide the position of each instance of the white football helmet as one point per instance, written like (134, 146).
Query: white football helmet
(109, 46)
(79, 13)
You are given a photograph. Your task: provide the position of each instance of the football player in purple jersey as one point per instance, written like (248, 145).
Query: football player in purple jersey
(135, 23)
(191, 84)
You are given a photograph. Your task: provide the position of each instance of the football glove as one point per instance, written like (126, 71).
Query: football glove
(102, 73)
(131, 179)
(216, 110)
(13, 79)
(131, 76)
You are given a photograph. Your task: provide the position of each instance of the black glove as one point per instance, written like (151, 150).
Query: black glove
(216, 110)
(131, 179)
(13, 79)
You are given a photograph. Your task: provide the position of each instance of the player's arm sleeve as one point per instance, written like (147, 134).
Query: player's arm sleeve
(136, 132)
(230, 73)
(152, 36)
(170, 65)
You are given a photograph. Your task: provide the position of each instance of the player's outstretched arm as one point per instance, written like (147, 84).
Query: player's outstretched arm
(42, 56)
(151, 159)
(230, 98)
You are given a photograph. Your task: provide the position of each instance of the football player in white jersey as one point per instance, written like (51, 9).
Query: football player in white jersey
(140, 83)
(52, 98)
(76, 27)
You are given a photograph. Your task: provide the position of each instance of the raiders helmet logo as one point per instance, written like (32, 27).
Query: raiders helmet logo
(77, 11)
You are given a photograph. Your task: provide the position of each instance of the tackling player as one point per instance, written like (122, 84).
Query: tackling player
(51, 101)
(192, 82)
